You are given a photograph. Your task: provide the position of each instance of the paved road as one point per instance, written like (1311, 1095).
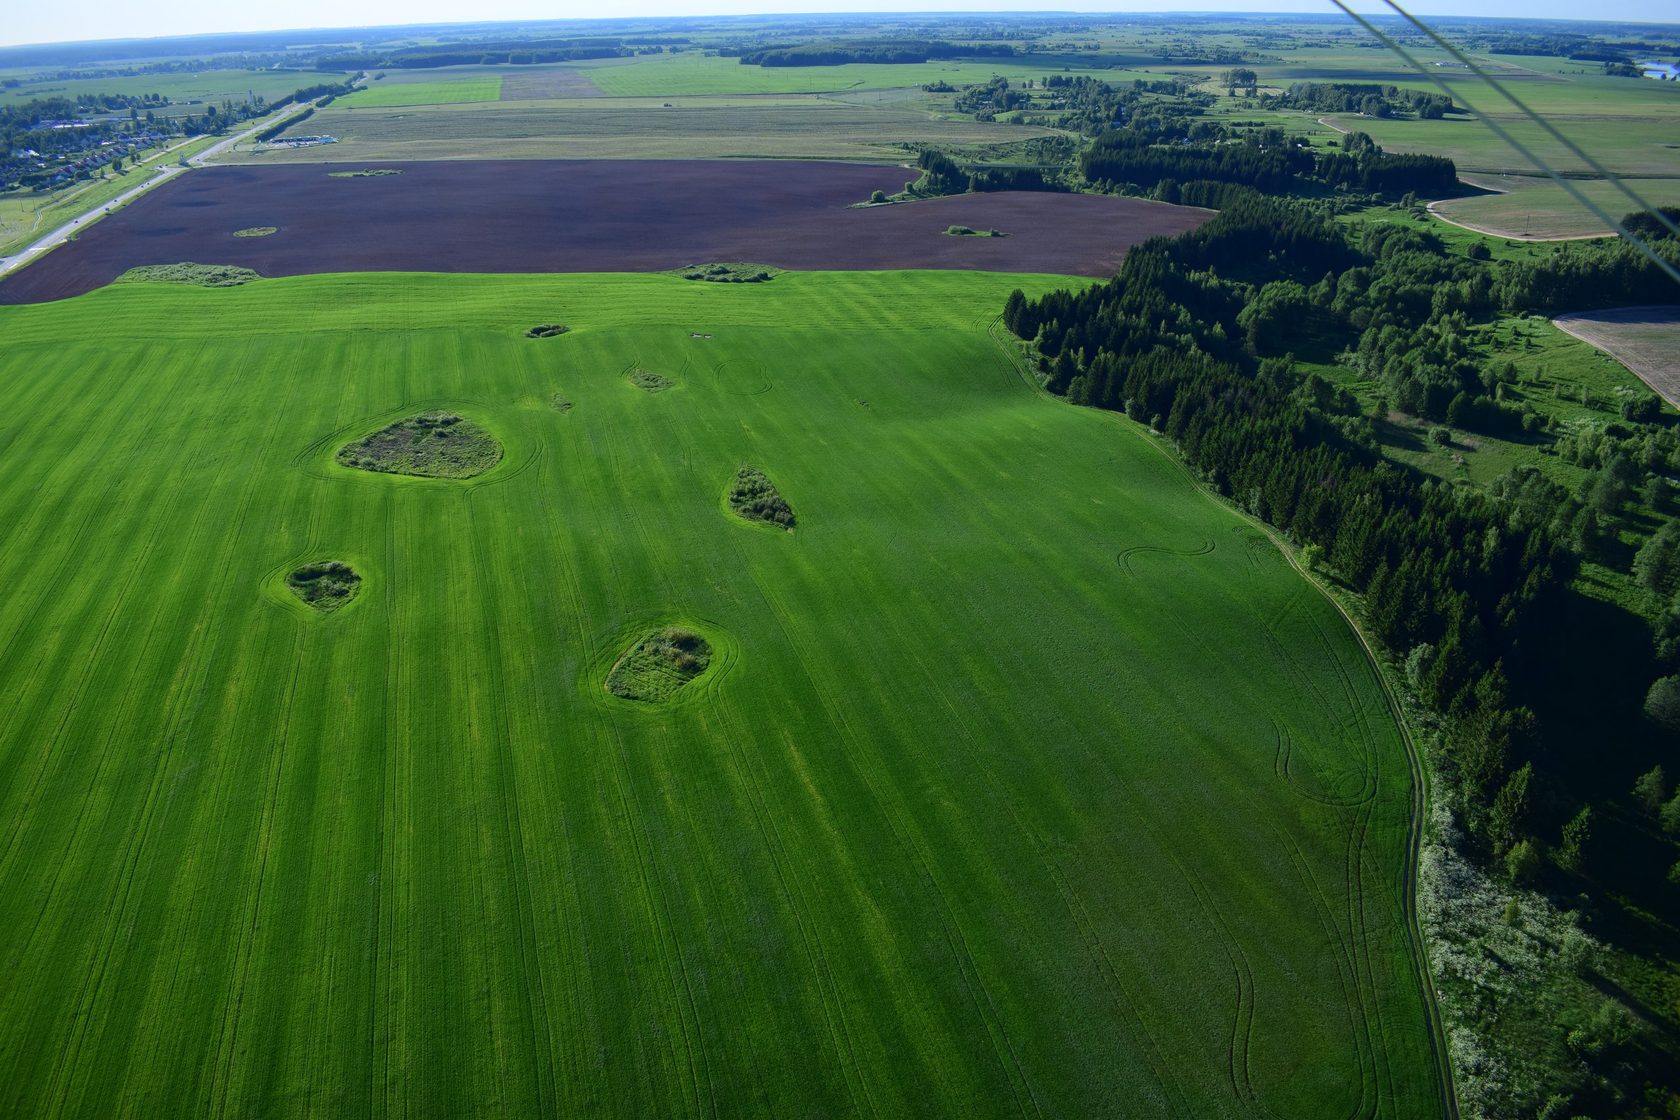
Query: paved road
(159, 175)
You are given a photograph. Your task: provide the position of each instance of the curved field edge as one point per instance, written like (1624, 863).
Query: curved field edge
(410, 864)
(1420, 784)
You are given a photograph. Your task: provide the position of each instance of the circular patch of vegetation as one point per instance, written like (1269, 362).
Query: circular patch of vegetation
(729, 272)
(204, 275)
(560, 403)
(257, 231)
(650, 382)
(547, 330)
(657, 666)
(754, 497)
(325, 585)
(431, 445)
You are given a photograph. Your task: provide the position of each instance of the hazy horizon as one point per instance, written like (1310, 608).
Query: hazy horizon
(119, 21)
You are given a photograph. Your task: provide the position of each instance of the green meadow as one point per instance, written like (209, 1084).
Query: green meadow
(387, 95)
(207, 87)
(1020, 778)
(692, 73)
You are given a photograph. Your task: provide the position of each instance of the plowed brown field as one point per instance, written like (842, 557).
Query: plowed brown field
(589, 216)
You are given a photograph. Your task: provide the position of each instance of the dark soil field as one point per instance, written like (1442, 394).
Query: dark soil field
(588, 216)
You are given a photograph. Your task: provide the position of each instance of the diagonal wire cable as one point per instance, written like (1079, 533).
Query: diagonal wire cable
(1504, 134)
(1550, 129)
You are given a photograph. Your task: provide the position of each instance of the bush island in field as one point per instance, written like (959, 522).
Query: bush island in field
(256, 231)
(431, 445)
(657, 666)
(204, 275)
(731, 272)
(755, 497)
(650, 382)
(325, 585)
(547, 330)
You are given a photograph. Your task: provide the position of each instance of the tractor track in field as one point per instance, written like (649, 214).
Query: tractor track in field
(1445, 1083)
(963, 961)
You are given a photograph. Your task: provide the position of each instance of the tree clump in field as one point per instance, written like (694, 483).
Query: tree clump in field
(204, 275)
(729, 272)
(547, 330)
(650, 382)
(431, 445)
(257, 231)
(560, 402)
(969, 231)
(366, 173)
(325, 585)
(755, 497)
(659, 664)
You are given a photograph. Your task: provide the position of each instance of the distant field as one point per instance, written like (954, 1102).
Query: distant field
(706, 128)
(208, 87)
(1644, 339)
(382, 95)
(1024, 780)
(1636, 147)
(1541, 208)
(697, 74)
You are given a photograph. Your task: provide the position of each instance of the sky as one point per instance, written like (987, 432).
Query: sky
(31, 21)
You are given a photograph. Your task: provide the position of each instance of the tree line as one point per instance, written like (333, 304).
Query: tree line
(1463, 587)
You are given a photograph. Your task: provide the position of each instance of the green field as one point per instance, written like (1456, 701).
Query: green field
(689, 74)
(1540, 208)
(210, 87)
(386, 95)
(1022, 778)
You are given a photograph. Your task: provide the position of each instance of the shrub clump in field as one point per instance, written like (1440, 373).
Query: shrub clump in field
(366, 173)
(325, 585)
(204, 275)
(970, 231)
(755, 497)
(431, 445)
(547, 330)
(659, 664)
(256, 231)
(560, 403)
(650, 382)
(729, 272)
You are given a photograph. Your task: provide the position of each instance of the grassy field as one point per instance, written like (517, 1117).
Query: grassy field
(690, 74)
(385, 95)
(1022, 779)
(1541, 208)
(208, 87)
(686, 128)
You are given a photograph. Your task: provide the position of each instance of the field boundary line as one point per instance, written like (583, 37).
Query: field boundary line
(1420, 782)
